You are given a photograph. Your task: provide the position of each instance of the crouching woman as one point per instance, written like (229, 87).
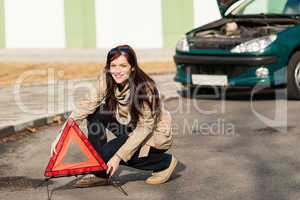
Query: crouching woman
(127, 103)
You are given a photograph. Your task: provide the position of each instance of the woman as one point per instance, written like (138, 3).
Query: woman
(128, 104)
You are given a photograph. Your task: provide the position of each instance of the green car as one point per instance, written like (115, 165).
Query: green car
(256, 43)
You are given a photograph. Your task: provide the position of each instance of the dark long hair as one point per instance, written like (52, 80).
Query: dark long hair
(142, 88)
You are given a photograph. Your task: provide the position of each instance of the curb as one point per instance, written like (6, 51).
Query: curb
(13, 129)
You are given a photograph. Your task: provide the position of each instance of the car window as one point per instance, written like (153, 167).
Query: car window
(251, 7)
(292, 7)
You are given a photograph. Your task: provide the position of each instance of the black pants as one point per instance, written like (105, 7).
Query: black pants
(157, 160)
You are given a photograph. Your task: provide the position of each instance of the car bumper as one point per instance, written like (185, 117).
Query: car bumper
(241, 70)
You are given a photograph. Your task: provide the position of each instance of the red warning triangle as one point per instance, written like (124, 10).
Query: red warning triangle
(57, 165)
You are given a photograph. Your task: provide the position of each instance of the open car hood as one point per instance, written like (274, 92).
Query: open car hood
(225, 4)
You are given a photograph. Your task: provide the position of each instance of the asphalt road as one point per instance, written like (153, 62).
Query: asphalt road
(233, 149)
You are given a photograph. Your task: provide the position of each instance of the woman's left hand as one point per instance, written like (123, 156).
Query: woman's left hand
(113, 165)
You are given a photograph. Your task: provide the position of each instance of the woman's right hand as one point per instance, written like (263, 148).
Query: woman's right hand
(53, 148)
(54, 143)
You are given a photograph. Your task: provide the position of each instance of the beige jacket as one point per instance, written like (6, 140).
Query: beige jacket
(146, 134)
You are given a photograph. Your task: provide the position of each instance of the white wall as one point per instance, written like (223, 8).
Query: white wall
(134, 22)
(205, 11)
(34, 23)
(40, 23)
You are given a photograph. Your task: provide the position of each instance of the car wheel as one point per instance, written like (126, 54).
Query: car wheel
(293, 77)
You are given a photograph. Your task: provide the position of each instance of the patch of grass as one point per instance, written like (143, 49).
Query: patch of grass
(38, 72)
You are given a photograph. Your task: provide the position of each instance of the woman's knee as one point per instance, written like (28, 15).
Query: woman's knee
(110, 148)
(107, 154)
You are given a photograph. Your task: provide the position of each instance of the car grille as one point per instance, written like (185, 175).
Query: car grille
(229, 70)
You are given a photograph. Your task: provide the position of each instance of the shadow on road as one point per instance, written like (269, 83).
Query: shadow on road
(143, 175)
(19, 183)
(132, 176)
(239, 94)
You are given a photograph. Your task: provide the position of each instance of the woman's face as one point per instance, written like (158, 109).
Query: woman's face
(120, 69)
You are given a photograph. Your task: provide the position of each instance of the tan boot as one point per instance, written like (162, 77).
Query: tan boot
(162, 176)
(90, 180)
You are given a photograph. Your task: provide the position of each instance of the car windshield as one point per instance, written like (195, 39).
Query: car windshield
(255, 7)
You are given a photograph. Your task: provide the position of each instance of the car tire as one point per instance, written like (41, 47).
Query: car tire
(293, 77)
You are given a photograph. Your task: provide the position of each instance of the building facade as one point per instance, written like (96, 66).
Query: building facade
(100, 23)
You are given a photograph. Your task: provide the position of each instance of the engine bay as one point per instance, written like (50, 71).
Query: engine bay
(234, 30)
(229, 33)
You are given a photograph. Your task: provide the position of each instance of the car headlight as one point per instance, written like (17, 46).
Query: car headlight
(182, 44)
(256, 45)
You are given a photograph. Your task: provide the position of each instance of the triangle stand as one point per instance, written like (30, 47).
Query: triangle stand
(56, 168)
